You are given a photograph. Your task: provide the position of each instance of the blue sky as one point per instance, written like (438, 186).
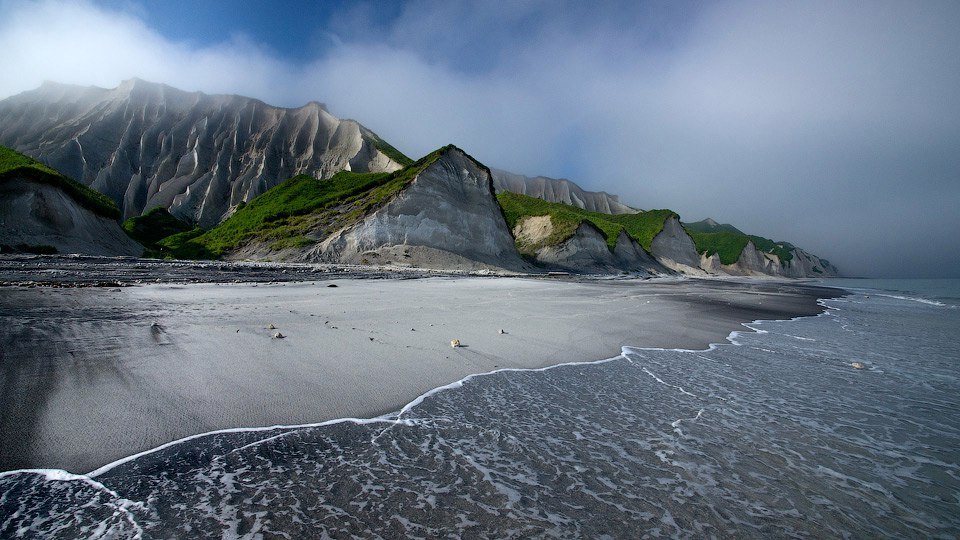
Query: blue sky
(829, 124)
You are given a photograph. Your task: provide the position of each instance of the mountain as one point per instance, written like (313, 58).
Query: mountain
(201, 176)
(566, 237)
(146, 145)
(559, 191)
(710, 226)
(439, 212)
(42, 211)
(725, 249)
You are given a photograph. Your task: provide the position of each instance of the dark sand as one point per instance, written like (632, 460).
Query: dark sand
(91, 375)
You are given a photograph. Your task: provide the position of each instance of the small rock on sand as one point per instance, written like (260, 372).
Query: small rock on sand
(271, 327)
(278, 335)
(502, 331)
(454, 343)
(857, 365)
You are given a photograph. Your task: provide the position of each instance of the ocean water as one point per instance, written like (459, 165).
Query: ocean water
(774, 435)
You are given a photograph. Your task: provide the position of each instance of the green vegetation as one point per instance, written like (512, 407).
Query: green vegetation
(711, 237)
(14, 164)
(642, 226)
(390, 151)
(729, 245)
(297, 212)
(706, 226)
(152, 227)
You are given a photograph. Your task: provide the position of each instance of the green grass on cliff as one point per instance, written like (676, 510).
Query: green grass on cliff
(152, 227)
(14, 164)
(642, 226)
(729, 245)
(297, 213)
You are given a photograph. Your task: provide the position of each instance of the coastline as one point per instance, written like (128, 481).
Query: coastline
(157, 363)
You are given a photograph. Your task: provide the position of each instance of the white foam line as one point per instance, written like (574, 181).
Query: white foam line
(121, 461)
(914, 299)
(395, 418)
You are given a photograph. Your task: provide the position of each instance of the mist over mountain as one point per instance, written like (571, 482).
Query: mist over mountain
(145, 144)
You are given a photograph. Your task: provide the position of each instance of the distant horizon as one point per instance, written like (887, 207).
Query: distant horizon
(826, 124)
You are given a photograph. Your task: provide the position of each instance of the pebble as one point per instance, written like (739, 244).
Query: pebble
(454, 343)
(278, 335)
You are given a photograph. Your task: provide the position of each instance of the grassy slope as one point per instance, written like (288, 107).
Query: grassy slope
(285, 215)
(13, 163)
(642, 227)
(704, 227)
(152, 227)
(729, 245)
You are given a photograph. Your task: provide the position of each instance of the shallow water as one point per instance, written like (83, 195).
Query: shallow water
(779, 436)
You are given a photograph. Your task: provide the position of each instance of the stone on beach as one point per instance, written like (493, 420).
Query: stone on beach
(454, 343)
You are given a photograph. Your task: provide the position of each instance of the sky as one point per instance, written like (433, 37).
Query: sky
(834, 125)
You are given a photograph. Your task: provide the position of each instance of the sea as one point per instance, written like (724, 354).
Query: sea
(843, 425)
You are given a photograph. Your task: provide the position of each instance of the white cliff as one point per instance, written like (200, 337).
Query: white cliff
(447, 217)
(147, 145)
(559, 191)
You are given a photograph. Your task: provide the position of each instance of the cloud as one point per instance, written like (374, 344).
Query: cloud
(828, 124)
(77, 42)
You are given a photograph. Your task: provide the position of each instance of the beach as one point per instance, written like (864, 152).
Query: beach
(94, 374)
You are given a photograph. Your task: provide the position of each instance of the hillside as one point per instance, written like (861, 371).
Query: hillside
(565, 218)
(152, 227)
(710, 226)
(146, 145)
(304, 218)
(729, 245)
(725, 249)
(297, 213)
(43, 211)
(13, 164)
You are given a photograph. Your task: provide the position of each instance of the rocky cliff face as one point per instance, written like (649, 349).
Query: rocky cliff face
(674, 248)
(447, 217)
(148, 145)
(559, 191)
(586, 251)
(805, 264)
(35, 213)
(753, 262)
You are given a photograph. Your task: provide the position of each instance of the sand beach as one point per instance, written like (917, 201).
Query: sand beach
(91, 375)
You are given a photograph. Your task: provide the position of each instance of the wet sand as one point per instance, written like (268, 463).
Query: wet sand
(91, 375)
